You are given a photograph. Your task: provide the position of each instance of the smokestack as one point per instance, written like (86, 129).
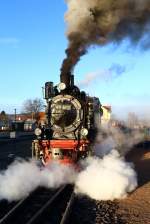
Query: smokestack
(72, 80)
(66, 78)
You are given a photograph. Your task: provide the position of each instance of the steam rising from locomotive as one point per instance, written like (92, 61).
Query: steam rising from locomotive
(100, 22)
(72, 120)
(73, 116)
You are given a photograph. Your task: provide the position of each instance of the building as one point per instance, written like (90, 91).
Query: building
(105, 119)
(42, 118)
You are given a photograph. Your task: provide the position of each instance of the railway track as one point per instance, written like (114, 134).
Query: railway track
(42, 206)
(5, 207)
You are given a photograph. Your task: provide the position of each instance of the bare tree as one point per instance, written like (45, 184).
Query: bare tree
(3, 115)
(33, 107)
(4, 118)
(132, 120)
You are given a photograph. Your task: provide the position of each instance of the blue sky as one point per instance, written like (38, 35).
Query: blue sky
(32, 47)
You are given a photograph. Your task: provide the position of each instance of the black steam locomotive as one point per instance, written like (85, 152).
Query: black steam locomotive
(72, 121)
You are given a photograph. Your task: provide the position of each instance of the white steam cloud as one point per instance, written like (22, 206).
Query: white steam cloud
(22, 177)
(101, 179)
(105, 75)
(115, 138)
(107, 176)
(106, 179)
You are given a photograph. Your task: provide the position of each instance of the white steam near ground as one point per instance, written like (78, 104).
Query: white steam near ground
(101, 179)
(114, 138)
(22, 177)
(106, 179)
(106, 176)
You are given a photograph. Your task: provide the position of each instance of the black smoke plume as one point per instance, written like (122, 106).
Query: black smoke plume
(99, 22)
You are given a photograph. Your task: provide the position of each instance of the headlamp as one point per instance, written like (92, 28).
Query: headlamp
(37, 131)
(61, 86)
(84, 132)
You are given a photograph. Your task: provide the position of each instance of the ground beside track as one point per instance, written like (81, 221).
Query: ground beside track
(14, 148)
(135, 209)
(10, 149)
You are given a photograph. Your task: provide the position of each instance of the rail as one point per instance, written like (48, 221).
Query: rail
(42, 206)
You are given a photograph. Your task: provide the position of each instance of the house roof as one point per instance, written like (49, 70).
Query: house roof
(107, 107)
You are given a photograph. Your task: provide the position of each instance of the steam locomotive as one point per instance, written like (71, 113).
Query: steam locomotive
(72, 122)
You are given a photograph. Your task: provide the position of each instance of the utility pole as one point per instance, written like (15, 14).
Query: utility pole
(15, 120)
(15, 115)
